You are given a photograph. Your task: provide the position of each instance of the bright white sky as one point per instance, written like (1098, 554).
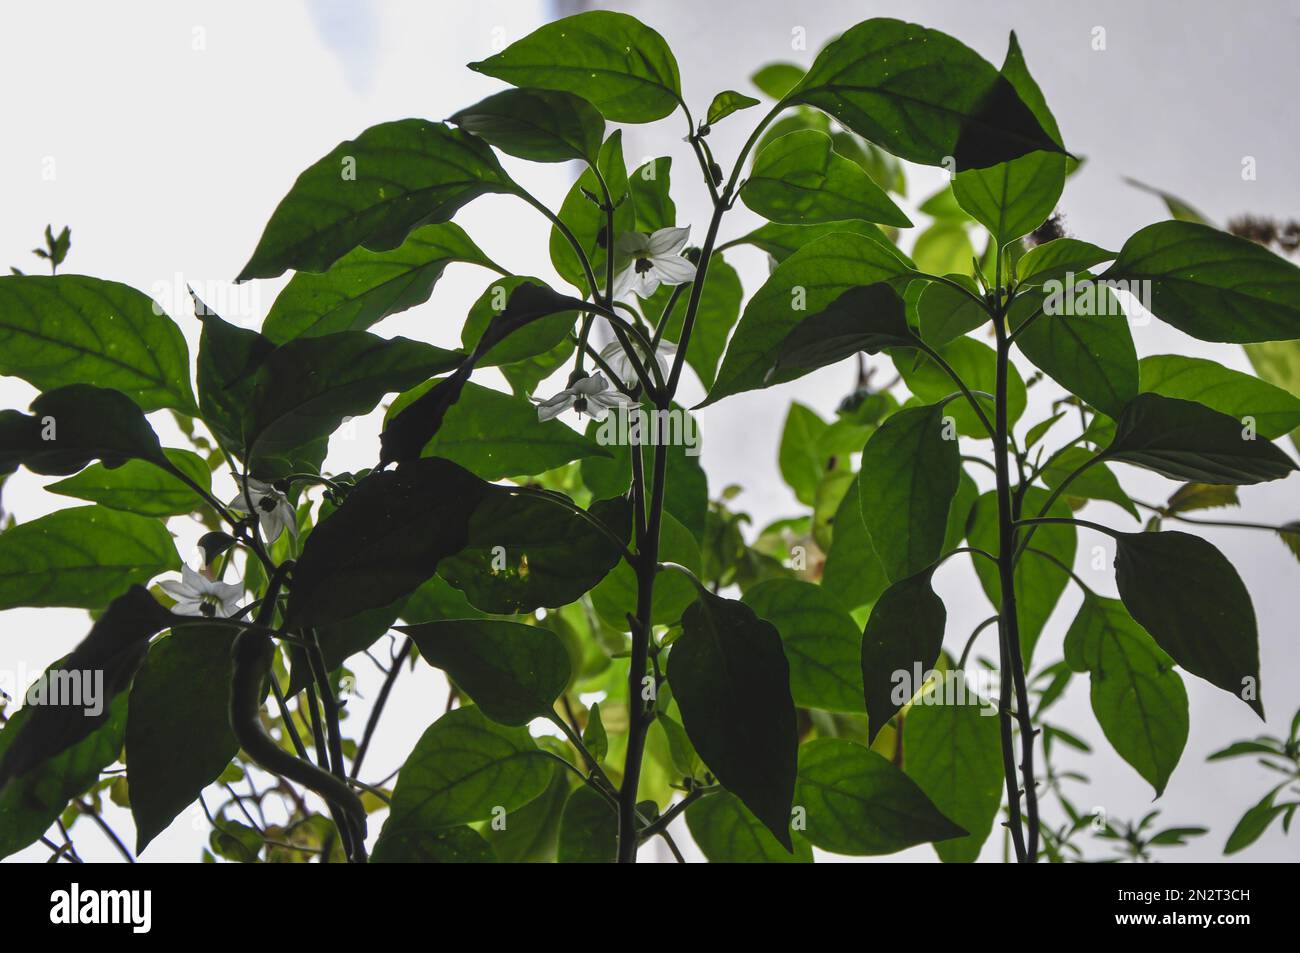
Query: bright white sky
(175, 130)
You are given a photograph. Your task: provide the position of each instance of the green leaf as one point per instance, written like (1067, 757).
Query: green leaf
(386, 539)
(942, 248)
(802, 286)
(799, 179)
(71, 328)
(587, 222)
(859, 804)
(1039, 581)
(1013, 198)
(1097, 482)
(976, 364)
(1189, 597)
(1177, 208)
(921, 95)
(73, 425)
(727, 102)
(953, 751)
(731, 681)
(594, 736)
(364, 287)
(141, 487)
(448, 845)
(821, 642)
(339, 641)
(537, 124)
(463, 769)
(1138, 698)
(1278, 362)
(1211, 285)
(229, 358)
(517, 318)
(1255, 822)
(800, 458)
(619, 64)
(903, 635)
(522, 553)
(513, 672)
(73, 698)
(910, 468)
(1230, 392)
(727, 832)
(944, 313)
(82, 557)
(1184, 440)
(853, 573)
(373, 191)
(782, 241)
(588, 829)
(1055, 258)
(178, 737)
(31, 803)
(1091, 355)
(870, 318)
(306, 388)
(498, 435)
(777, 79)
(532, 832)
(651, 188)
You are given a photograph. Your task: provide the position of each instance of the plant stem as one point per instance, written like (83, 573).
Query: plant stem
(1008, 620)
(372, 722)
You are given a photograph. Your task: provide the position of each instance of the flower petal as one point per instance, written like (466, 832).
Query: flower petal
(188, 607)
(549, 409)
(624, 281)
(632, 243)
(668, 241)
(177, 590)
(673, 269)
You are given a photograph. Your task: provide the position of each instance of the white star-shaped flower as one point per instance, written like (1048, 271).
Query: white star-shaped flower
(274, 512)
(617, 360)
(195, 594)
(655, 260)
(590, 396)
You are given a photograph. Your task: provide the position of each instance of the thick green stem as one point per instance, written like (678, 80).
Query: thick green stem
(1008, 621)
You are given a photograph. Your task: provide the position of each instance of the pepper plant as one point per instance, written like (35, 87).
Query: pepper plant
(783, 694)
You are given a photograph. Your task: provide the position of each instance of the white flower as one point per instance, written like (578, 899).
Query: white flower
(618, 361)
(195, 594)
(655, 259)
(273, 510)
(591, 396)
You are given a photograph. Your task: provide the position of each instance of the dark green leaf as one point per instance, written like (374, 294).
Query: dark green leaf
(1184, 440)
(1013, 198)
(373, 191)
(619, 64)
(363, 286)
(616, 596)
(717, 314)
(522, 553)
(822, 642)
(802, 286)
(1138, 698)
(853, 573)
(588, 829)
(82, 557)
(1275, 411)
(71, 328)
(464, 768)
(339, 641)
(178, 737)
(448, 845)
(903, 636)
(728, 833)
(1097, 482)
(1255, 822)
(586, 220)
(229, 358)
(944, 313)
(730, 678)
(541, 125)
(1056, 258)
(921, 95)
(859, 804)
(782, 241)
(384, 541)
(976, 364)
(74, 697)
(1211, 285)
(513, 672)
(651, 188)
(870, 318)
(1189, 597)
(910, 468)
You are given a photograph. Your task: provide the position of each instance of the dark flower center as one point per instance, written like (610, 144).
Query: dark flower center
(267, 504)
(207, 608)
(643, 265)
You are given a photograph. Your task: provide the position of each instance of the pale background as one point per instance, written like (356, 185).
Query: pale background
(174, 128)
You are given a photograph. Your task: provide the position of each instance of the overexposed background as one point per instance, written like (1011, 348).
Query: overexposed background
(172, 130)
